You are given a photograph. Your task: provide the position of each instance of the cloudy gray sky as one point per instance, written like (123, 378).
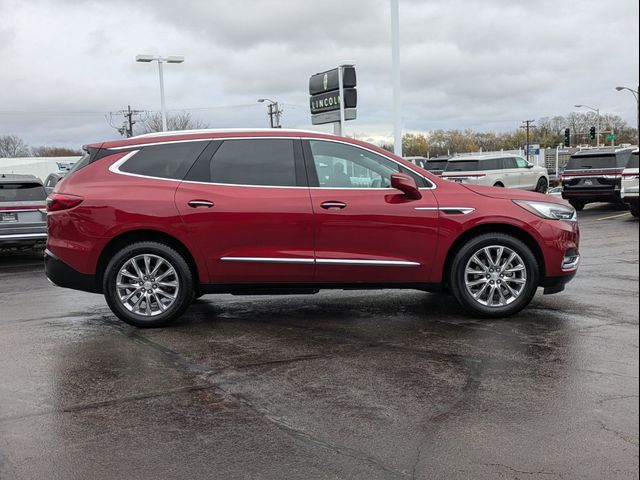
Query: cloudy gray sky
(485, 65)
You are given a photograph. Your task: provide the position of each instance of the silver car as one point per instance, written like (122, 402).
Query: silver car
(23, 211)
(497, 170)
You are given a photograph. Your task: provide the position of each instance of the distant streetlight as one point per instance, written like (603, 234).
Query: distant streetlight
(161, 60)
(597, 110)
(635, 94)
(274, 112)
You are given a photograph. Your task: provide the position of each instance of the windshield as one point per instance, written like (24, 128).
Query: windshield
(22, 192)
(462, 166)
(633, 161)
(587, 162)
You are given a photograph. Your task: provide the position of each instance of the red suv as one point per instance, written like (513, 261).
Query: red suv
(153, 222)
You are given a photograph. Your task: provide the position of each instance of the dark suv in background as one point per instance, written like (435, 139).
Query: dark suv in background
(23, 214)
(594, 175)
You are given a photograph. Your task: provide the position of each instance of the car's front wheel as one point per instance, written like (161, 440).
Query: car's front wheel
(148, 284)
(494, 275)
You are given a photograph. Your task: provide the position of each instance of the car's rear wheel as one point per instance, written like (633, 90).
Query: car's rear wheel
(542, 185)
(633, 208)
(579, 206)
(494, 275)
(148, 284)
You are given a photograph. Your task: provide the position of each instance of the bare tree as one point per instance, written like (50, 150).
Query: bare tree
(12, 146)
(178, 121)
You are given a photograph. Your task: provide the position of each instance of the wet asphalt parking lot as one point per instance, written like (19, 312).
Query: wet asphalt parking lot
(346, 384)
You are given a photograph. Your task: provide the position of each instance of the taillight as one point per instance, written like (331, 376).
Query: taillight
(60, 201)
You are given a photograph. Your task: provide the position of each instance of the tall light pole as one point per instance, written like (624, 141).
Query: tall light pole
(161, 60)
(597, 110)
(274, 112)
(635, 94)
(395, 76)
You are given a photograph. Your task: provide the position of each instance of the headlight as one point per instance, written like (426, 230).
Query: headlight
(552, 211)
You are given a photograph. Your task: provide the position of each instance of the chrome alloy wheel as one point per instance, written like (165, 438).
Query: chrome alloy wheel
(495, 276)
(147, 285)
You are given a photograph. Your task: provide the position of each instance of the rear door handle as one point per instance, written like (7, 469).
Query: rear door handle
(333, 204)
(200, 203)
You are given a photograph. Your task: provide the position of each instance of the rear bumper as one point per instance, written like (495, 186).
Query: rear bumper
(22, 235)
(65, 276)
(608, 195)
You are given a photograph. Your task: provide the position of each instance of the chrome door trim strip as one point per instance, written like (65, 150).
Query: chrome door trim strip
(376, 263)
(323, 261)
(269, 260)
(449, 210)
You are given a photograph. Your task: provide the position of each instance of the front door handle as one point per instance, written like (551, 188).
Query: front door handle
(200, 203)
(332, 204)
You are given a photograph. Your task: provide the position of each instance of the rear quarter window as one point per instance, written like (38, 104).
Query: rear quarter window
(463, 166)
(22, 192)
(633, 161)
(170, 160)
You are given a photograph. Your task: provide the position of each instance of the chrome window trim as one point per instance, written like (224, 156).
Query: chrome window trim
(323, 261)
(115, 167)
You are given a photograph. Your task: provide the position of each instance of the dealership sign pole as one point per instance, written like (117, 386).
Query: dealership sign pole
(333, 97)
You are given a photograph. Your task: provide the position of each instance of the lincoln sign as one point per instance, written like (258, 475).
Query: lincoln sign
(324, 89)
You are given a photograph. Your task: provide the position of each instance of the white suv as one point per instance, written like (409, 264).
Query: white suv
(497, 170)
(630, 179)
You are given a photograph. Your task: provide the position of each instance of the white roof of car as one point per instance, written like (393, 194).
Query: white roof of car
(481, 156)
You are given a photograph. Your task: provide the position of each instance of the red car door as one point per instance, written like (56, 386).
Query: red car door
(365, 230)
(247, 211)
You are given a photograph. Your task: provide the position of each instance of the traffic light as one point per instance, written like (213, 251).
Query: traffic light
(567, 137)
(592, 133)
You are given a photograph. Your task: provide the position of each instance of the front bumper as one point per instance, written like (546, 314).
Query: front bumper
(65, 276)
(553, 285)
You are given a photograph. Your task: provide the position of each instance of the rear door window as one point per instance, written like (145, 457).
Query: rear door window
(633, 161)
(169, 160)
(22, 192)
(259, 162)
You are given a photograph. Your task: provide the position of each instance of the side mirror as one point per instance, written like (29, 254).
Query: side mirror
(406, 184)
(530, 165)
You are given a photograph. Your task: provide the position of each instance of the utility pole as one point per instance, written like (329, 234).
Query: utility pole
(127, 126)
(274, 112)
(527, 125)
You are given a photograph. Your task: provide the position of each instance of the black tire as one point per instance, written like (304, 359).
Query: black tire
(498, 184)
(578, 205)
(542, 185)
(633, 208)
(183, 292)
(457, 275)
